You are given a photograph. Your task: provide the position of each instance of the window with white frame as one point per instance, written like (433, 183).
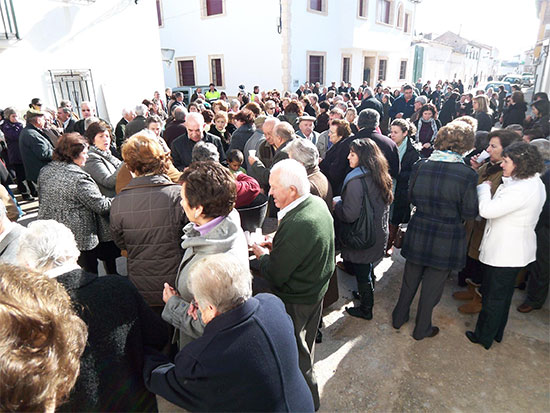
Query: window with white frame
(385, 11)
(346, 68)
(400, 16)
(216, 70)
(408, 22)
(317, 6)
(316, 67)
(403, 70)
(382, 67)
(185, 68)
(210, 8)
(362, 8)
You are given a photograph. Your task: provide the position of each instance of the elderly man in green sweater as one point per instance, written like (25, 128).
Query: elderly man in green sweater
(300, 260)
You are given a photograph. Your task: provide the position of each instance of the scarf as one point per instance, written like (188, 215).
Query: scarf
(432, 123)
(402, 148)
(354, 172)
(446, 156)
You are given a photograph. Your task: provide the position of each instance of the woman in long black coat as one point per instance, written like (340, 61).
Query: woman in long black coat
(514, 114)
(443, 189)
(401, 131)
(448, 111)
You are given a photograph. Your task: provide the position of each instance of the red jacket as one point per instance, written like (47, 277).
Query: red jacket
(247, 190)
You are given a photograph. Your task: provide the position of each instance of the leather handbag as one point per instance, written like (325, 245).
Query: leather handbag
(359, 235)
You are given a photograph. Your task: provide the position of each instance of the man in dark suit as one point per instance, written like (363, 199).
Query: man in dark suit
(370, 102)
(368, 121)
(127, 116)
(247, 358)
(138, 123)
(182, 147)
(65, 119)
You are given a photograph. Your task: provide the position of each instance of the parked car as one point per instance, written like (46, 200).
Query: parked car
(495, 86)
(514, 80)
(188, 91)
(528, 80)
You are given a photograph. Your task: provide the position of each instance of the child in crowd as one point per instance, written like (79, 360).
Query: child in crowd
(235, 159)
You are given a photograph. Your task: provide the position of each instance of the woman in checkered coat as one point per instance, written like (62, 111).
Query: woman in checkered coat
(443, 189)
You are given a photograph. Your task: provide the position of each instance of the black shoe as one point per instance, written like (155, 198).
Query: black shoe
(360, 312)
(319, 337)
(435, 332)
(356, 295)
(473, 338)
(27, 197)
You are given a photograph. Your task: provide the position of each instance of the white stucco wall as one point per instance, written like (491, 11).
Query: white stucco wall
(117, 39)
(340, 31)
(246, 36)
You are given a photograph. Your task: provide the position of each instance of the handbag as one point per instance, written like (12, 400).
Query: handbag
(360, 234)
(401, 231)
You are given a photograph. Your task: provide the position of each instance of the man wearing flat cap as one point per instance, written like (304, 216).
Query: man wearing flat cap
(306, 124)
(36, 149)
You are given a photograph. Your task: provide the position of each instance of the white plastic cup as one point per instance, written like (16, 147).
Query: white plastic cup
(482, 156)
(252, 152)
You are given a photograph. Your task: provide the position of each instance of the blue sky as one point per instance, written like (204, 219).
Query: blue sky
(509, 25)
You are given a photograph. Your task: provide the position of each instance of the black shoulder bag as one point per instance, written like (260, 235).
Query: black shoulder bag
(359, 235)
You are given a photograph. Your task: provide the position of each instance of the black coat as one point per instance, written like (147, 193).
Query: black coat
(134, 126)
(448, 112)
(241, 136)
(182, 148)
(386, 145)
(119, 325)
(246, 360)
(514, 114)
(401, 211)
(335, 165)
(371, 103)
(484, 122)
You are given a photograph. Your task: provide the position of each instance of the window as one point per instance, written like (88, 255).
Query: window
(403, 70)
(385, 11)
(216, 70)
(346, 67)
(212, 8)
(316, 67)
(159, 13)
(8, 29)
(186, 71)
(362, 8)
(408, 22)
(382, 65)
(400, 16)
(317, 6)
(73, 85)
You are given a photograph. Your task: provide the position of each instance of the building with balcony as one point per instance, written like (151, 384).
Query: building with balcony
(105, 51)
(284, 43)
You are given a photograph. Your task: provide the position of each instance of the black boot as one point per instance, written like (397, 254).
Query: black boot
(367, 301)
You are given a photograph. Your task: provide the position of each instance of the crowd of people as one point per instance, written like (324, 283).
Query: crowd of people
(212, 317)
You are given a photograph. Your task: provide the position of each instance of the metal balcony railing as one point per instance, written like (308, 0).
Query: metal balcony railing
(8, 27)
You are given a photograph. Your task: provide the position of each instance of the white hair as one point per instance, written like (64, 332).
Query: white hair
(292, 173)
(141, 110)
(3, 212)
(47, 244)
(197, 117)
(303, 151)
(127, 111)
(220, 280)
(89, 121)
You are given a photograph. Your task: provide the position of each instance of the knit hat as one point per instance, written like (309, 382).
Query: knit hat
(259, 121)
(8, 112)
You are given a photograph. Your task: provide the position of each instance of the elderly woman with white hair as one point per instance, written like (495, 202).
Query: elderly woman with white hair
(113, 358)
(246, 359)
(305, 152)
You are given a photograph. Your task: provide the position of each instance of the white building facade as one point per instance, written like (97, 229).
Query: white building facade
(105, 51)
(284, 43)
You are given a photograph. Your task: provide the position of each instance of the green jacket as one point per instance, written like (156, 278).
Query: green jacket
(301, 262)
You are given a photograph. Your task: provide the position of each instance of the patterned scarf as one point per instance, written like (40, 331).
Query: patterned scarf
(446, 156)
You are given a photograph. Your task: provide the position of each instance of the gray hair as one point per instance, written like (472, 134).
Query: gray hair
(285, 131)
(197, 117)
(339, 112)
(64, 109)
(220, 280)
(368, 118)
(89, 121)
(47, 244)
(204, 151)
(65, 103)
(342, 106)
(303, 151)
(3, 212)
(180, 113)
(543, 145)
(292, 173)
(368, 91)
(516, 127)
(141, 110)
(234, 102)
(127, 111)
